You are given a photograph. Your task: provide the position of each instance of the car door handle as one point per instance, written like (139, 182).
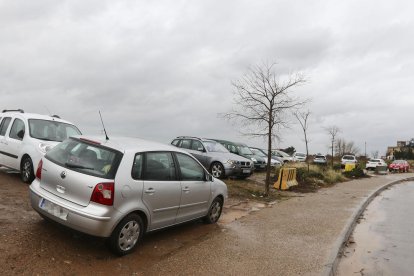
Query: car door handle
(186, 189)
(150, 191)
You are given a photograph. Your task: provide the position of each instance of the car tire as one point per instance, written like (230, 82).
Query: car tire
(26, 170)
(214, 212)
(217, 170)
(126, 235)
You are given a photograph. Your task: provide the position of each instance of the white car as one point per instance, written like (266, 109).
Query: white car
(349, 159)
(299, 157)
(373, 163)
(122, 187)
(26, 137)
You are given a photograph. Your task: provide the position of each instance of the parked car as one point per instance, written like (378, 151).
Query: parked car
(215, 157)
(320, 159)
(346, 159)
(283, 155)
(262, 153)
(299, 157)
(122, 188)
(373, 163)
(399, 166)
(243, 150)
(26, 137)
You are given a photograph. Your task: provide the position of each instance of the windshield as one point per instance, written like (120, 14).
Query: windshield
(320, 157)
(51, 130)
(86, 158)
(244, 150)
(213, 146)
(258, 152)
(301, 154)
(348, 157)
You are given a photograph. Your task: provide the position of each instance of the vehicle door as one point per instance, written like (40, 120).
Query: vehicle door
(162, 189)
(199, 152)
(4, 125)
(14, 144)
(195, 189)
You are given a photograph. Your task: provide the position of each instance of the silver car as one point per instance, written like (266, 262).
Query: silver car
(215, 157)
(123, 187)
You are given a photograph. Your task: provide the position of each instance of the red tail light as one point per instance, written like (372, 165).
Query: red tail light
(104, 193)
(39, 170)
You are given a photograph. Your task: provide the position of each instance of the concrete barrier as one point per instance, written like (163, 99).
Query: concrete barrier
(286, 179)
(381, 170)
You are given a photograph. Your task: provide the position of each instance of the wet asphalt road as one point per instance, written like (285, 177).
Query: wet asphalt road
(383, 241)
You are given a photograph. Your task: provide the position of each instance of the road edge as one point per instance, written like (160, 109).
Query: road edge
(333, 260)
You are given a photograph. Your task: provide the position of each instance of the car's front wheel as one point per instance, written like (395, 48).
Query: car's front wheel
(214, 212)
(217, 170)
(127, 235)
(26, 170)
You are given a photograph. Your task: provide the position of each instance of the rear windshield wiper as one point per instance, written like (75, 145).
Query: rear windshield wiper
(75, 166)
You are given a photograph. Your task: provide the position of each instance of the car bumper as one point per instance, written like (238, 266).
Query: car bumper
(94, 219)
(238, 171)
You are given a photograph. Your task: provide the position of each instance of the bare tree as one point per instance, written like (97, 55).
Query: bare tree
(262, 101)
(333, 132)
(302, 117)
(343, 147)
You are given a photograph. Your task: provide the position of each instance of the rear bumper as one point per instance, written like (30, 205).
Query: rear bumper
(94, 219)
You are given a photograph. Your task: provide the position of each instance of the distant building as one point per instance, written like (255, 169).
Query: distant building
(401, 144)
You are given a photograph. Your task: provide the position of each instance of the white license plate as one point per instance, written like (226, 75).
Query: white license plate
(53, 209)
(246, 171)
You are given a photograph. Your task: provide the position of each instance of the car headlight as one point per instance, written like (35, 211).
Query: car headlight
(232, 162)
(43, 148)
(254, 159)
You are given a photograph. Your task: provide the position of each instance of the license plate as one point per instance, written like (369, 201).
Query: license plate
(246, 171)
(53, 209)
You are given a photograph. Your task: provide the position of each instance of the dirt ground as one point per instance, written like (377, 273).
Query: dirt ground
(30, 245)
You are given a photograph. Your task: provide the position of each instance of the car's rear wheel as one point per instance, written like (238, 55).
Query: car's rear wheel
(214, 212)
(26, 170)
(217, 170)
(127, 234)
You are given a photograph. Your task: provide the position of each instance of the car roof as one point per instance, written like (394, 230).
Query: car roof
(125, 144)
(28, 116)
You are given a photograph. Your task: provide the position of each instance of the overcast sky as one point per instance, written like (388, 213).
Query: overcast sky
(160, 69)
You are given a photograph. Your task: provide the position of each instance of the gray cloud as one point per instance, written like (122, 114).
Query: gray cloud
(161, 69)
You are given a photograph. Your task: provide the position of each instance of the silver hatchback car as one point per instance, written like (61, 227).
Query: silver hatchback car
(123, 187)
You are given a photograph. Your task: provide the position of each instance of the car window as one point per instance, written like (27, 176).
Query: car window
(196, 145)
(190, 169)
(91, 159)
(159, 166)
(175, 142)
(213, 146)
(4, 125)
(17, 129)
(232, 149)
(137, 167)
(51, 130)
(244, 150)
(185, 144)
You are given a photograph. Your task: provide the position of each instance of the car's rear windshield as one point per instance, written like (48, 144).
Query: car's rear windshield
(300, 154)
(81, 156)
(51, 130)
(348, 157)
(213, 146)
(320, 156)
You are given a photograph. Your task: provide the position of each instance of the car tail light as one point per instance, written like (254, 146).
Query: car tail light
(39, 170)
(104, 193)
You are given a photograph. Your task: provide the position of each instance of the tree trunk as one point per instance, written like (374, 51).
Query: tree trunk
(269, 158)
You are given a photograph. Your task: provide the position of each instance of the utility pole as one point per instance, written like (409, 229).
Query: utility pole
(365, 149)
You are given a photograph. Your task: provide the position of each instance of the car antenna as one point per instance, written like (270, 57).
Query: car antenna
(106, 135)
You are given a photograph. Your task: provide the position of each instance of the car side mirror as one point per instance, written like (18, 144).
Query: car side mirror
(20, 134)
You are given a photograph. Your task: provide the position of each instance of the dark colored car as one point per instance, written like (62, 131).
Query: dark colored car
(215, 157)
(243, 150)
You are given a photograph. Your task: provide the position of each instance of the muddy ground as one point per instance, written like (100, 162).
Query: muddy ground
(30, 245)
